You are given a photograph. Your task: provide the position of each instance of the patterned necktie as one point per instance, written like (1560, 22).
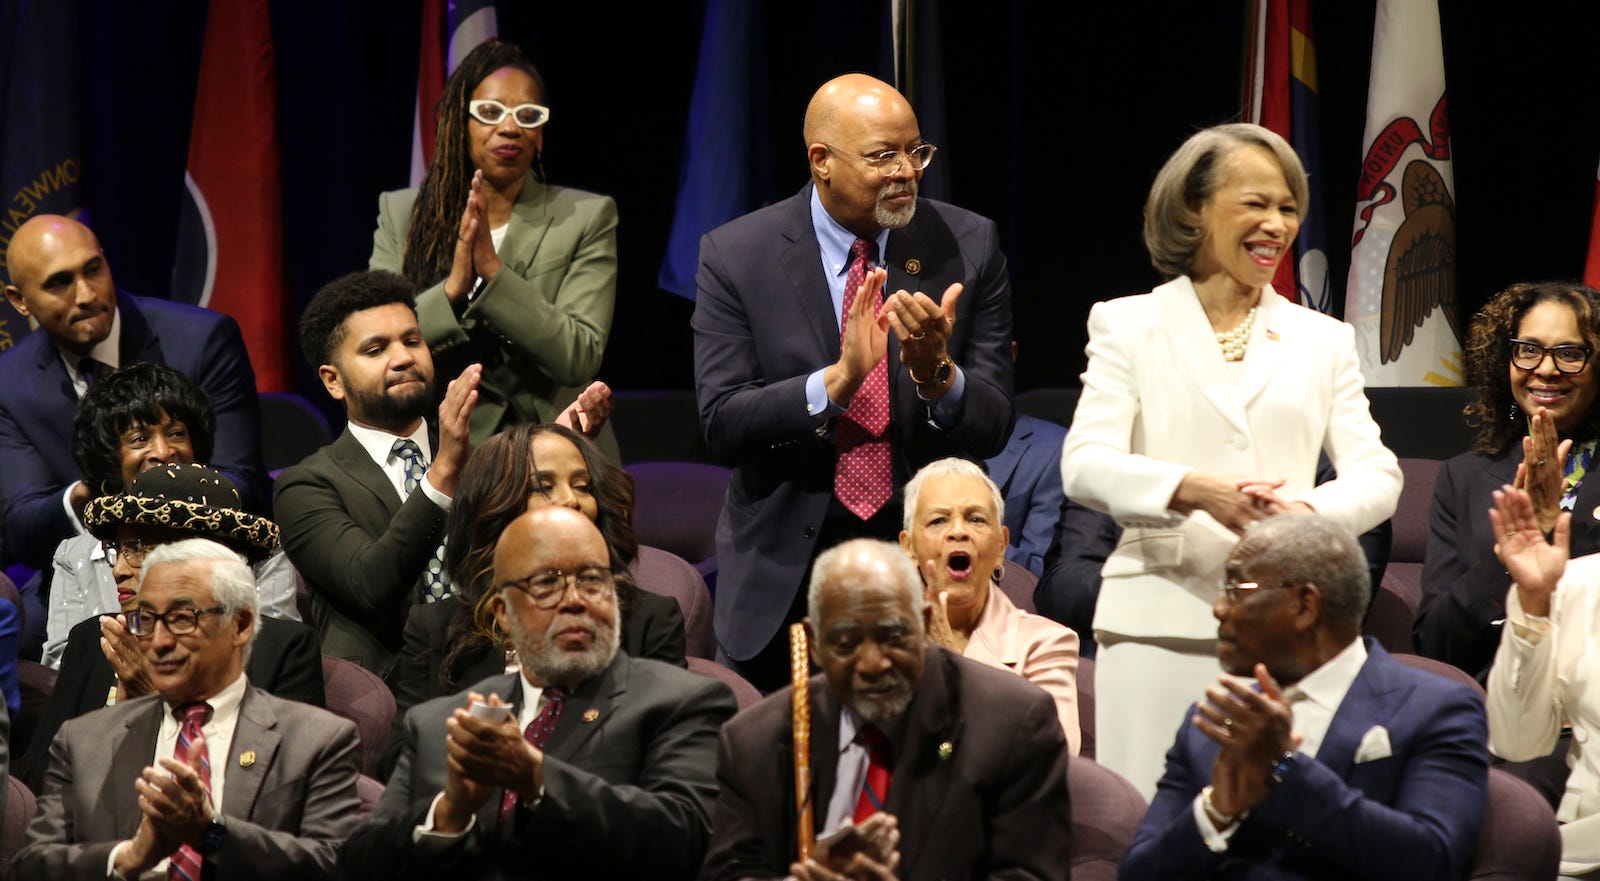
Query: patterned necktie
(435, 581)
(863, 478)
(874, 789)
(184, 865)
(90, 371)
(537, 733)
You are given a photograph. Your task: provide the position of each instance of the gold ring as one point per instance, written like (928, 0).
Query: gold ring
(1539, 464)
(918, 338)
(1227, 721)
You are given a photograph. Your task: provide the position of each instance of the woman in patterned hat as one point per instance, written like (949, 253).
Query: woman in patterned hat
(136, 418)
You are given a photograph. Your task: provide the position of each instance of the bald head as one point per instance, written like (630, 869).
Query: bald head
(851, 99)
(60, 279)
(534, 541)
(858, 132)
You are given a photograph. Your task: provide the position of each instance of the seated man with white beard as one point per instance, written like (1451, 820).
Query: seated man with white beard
(588, 764)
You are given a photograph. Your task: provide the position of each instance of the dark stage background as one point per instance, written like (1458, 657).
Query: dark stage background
(1058, 116)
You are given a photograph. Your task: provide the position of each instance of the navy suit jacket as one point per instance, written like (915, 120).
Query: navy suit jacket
(1028, 472)
(37, 404)
(763, 322)
(1412, 816)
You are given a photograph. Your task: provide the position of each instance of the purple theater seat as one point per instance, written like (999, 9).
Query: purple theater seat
(1520, 840)
(35, 681)
(1448, 671)
(1394, 605)
(1086, 706)
(667, 574)
(676, 505)
(1018, 584)
(20, 807)
(370, 791)
(1106, 811)
(744, 693)
(357, 694)
(292, 428)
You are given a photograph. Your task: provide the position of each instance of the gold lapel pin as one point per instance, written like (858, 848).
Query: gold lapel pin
(591, 714)
(247, 758)
(913, 266)
(946, 750)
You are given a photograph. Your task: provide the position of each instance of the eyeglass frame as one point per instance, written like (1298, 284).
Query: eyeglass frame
(114, 549)
(131, 618)
(1238, 591)
(1550, 352)
(874, 161)
(472, 111)
(569, 582)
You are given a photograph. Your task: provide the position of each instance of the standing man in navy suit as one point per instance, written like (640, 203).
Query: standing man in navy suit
(1338, 762)
(60, 279)
(824, 399)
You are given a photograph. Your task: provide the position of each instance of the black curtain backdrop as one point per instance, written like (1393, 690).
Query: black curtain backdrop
(1058, 116)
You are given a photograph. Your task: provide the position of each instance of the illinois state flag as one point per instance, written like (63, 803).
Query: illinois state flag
(1282, 95)
(230, 231)
(470, 22)
(1402, 290)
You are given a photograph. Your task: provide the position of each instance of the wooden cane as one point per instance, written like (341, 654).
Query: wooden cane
(800, 676)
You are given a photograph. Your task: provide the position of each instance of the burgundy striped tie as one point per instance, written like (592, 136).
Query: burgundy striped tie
(537, 733)
(185, 862)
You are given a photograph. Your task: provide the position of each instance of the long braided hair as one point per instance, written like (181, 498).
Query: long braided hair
(430, 246)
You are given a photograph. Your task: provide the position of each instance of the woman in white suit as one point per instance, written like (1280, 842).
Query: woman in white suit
(1204, 406)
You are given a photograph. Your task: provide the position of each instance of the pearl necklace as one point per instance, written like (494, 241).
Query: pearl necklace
(1235, 341)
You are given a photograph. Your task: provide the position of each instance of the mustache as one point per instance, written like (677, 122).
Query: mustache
(904, 188)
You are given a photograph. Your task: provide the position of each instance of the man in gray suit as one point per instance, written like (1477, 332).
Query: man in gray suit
(590, 764)
(363, 517)
(201, 777)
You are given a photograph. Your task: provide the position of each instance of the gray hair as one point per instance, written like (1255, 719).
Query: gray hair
(233, 584)
(1172, 230)
(940, 468)
(1309, 548)
(889, 553)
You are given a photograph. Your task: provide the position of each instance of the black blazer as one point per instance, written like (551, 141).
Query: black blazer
(285, 661)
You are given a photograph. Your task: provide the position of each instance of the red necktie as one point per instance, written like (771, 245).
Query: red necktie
(538, 731)
(874, 789)
(184, 865)
(863, 479)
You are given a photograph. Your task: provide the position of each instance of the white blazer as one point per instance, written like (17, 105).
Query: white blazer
(1158, 402)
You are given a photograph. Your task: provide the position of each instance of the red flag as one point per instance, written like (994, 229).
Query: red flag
(1591, 270)
(233, 178)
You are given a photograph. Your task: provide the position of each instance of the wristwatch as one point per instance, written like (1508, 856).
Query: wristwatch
(216, 833)
(1281, 767)
(942, 372)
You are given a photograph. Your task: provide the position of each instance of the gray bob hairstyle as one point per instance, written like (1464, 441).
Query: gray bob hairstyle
(1191, 175)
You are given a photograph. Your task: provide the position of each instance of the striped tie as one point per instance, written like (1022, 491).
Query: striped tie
(185, 862)
(537, 732)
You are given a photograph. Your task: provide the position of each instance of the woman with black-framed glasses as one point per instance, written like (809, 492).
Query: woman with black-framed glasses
(1530, 355)
(512, 273)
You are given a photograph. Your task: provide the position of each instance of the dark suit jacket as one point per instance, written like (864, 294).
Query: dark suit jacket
(285, 661)
(359, 548)
(288, 809)
(37, 404)
(1463, 584)
(652, 627)
(1412, 816)
(629, 781)
(1028, 472)
(763, 321)
(994, 807)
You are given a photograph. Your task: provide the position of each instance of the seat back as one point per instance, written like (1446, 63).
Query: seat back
(1085, 683)
(1394, 604)
(20, 806)
(1440, 668)
(357, 694)
(1054, 404)
(1018, 583)
(659, 572)
(291, 429)
(370, 791)
(676, 505)
(1520, 840)
(1106, 811)
(744, 694)
(35, 681)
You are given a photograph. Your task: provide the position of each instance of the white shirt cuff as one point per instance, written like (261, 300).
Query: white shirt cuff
(1215, 840)
(426, 833)
(433, 494)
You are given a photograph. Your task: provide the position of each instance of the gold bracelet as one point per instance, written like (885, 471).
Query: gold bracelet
(1218, 818)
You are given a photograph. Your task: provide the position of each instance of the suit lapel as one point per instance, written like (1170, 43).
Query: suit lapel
(589, 708)
(52, 388)
(530, 220)
(1267, 345)
(1370, 701)
(1194, 346)
(129, 756)
(1004, 466)
(824, 752)
(348, 454)
(256, 731)
(923, 767)
(1586, 512)
(1494, 474)
(138, 341)
(802, 262)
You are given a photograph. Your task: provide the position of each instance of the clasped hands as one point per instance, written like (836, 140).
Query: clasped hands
(177, 810)
(1235, 502)
(484, 757)
(474, 253)
(921, 326)
(870, 852)
(1254, 729)
(1543, 470)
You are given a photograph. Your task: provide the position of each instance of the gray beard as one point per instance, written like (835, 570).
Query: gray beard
(881, 711)
(551, 666)
(894, 218)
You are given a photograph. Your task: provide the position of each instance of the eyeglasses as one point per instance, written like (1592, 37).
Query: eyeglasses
(491, 112)
(180, 622)
(132, 551)
(546, 589)
(1238, 591)
(1528, 355)
(888, 162)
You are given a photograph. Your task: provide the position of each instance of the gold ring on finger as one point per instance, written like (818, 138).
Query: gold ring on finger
(917, 338)
(1539, 464)
(1227, 721)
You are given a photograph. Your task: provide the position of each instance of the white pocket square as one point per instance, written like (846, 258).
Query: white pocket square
(1374, 745)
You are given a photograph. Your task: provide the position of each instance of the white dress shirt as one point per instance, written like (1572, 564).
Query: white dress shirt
(380, 446)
